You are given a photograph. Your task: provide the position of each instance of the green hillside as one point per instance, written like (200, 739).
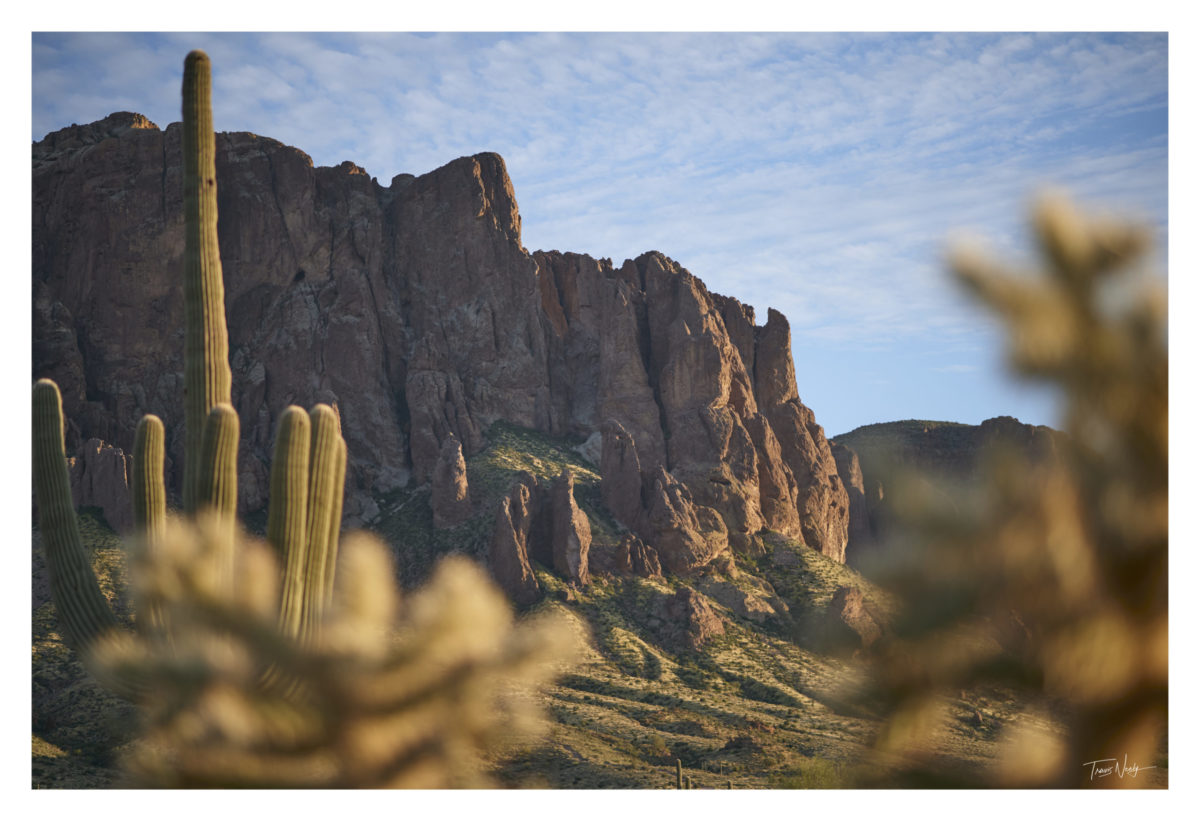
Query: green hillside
(760, 705)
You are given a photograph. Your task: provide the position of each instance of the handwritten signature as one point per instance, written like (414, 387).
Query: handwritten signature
(1104, 767)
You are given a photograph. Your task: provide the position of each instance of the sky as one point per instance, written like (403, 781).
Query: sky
(818, 174)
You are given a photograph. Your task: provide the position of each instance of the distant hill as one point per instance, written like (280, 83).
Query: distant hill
(872, 457)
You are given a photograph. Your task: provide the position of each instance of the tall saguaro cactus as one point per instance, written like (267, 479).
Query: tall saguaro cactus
(206, 362)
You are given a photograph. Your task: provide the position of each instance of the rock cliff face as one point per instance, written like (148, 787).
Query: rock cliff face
(415, 310)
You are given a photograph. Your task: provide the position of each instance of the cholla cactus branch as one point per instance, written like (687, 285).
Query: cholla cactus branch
(374, 703)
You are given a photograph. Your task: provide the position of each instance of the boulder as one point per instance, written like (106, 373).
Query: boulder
(686, 620)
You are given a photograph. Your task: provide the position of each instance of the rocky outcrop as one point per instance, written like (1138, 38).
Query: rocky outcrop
(621, 475)
(449, 494)
(757, 605)
(858, 537)
(686, 535)
(643, 559)
(572, 535)
(508, 552)
(821, 499)
(416, 309)
(850, 623)
(629, 557)
(686, 620)
(100, 476)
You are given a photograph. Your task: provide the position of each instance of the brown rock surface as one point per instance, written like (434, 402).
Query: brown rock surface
(643, 559)
(686, 620)
(630, 556)
(822, 502)
(621, 475)
(100, 477)
(686, 535)
(508, 553)
(858, 537)
(850, 621)
(572, 535)
(450, 496)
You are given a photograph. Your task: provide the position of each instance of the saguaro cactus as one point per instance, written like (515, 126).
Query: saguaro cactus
(149, 490)
(83, 611)
(206, 361)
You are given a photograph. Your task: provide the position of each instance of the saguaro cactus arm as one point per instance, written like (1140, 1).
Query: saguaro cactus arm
(287, 515)
(149, 489)
(327, 463)
(149, 497)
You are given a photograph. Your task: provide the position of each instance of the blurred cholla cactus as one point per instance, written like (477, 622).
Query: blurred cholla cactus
(1051, 576)
(234, 700)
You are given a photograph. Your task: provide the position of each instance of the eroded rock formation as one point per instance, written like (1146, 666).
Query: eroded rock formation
(100, 477)
(415, 307)
(449, 494)
(508, 553)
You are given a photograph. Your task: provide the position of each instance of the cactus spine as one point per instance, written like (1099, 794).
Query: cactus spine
(206, 355)
(82, 609)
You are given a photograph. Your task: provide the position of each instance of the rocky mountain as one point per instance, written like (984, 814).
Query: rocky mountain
(415, 310)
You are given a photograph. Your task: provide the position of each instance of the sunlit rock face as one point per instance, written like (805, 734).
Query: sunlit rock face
(415, 309)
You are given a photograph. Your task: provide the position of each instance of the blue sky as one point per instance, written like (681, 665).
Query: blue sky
(818, 174)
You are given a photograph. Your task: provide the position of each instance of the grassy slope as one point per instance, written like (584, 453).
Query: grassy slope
(757, 707)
